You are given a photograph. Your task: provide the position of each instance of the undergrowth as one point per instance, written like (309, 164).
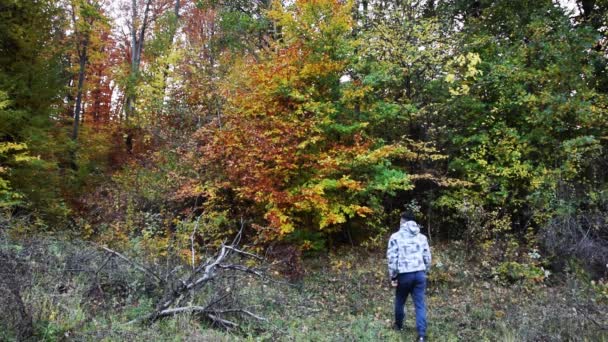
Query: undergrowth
(344, 296)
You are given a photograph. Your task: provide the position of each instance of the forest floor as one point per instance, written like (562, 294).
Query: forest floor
(344, 296)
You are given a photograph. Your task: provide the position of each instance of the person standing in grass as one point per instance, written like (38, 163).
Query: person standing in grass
(409, 259)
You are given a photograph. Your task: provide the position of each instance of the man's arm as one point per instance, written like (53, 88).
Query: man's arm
(392, 255)
(426, 254)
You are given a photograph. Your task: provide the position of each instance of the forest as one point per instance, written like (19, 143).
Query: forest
(221, 170)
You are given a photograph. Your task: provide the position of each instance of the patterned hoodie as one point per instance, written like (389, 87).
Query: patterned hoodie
(408, 250)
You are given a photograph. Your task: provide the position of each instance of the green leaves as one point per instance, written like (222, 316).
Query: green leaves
(521, 105)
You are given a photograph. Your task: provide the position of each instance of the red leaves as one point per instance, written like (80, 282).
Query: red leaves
(274, 147)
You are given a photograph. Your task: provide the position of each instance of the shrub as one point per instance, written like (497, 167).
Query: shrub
(583, 236)
(15, 321)
(512, 271)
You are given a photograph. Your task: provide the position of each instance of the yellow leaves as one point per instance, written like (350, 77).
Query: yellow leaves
(463, 89)
(8, 146)
(330, 219)
(341, 265)
(441, 181)
(308, 142)
(464, 69)
(319, 21)
(349, 184)
(322, 68)
(382, 153)
(280, 220)
(306, 245)
(16, 151)
(499, 314)
(450, 78)
(469, 60)
(338, 214)
(363, 211)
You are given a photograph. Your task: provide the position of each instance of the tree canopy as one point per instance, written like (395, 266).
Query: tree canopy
(317, 121)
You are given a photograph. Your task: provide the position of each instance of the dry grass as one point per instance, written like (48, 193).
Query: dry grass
(344, 296)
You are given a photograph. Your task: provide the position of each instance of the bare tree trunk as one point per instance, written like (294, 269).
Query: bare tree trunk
(81, 74)
(176, 9)
(129, 100)
(137, 44)
(588, 7)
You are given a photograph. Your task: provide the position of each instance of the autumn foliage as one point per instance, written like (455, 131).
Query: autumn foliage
(314, 121)
(290, 140)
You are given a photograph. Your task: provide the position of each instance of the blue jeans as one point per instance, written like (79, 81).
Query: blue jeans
(414, 283)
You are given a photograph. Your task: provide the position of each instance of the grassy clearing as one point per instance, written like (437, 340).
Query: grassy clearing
(344, 296)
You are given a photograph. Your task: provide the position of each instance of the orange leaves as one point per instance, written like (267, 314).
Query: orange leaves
(190, 189)
(322, 68)
(363, 211)
(349, 184)
(278, 219)
(288, 143)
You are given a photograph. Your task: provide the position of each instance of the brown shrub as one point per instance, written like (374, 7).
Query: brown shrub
(287, 260)
(15, 320)
(583, 236)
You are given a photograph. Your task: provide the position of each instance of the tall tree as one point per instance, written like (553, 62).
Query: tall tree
(84, 14)
(33, 78)
(291, 141)
(524, 115)
(142, 14)
(101, 76)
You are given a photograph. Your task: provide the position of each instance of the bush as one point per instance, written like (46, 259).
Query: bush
(15, 321)
(512, 271)
(583, 237)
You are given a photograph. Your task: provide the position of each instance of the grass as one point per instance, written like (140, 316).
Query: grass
(354, 302)
(344, 296)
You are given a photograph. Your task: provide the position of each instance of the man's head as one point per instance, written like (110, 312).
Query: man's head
(407, 215)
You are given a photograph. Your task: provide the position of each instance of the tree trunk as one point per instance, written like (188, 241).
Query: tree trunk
(588, 7)
(81, 74)
(137, 44)
(172, 39)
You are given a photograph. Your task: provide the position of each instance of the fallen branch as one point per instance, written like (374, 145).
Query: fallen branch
(241, 268)
(239, 251)
(181, 289)
(206, 311)
(135, 264)
(243, 311)
(224, 322)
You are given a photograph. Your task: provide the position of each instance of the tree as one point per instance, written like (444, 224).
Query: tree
(143, 13)
(84, 13)
(100, 76)
(291, 141)
(523, 116)
(11, 155)
(32, 77)
(402, 51)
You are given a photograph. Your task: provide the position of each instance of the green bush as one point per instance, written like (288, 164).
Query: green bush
(512, 271)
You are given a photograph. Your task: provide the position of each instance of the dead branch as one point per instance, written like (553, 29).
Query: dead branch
(242, 311)
(192, 236)
(253, 256)
(135, 264)
(180, 289)
(204, 310)
(224, 322)
(242, 269)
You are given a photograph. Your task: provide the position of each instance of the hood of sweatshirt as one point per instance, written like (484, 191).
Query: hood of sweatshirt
(410, 228)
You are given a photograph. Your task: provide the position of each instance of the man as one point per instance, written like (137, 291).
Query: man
(409, 258)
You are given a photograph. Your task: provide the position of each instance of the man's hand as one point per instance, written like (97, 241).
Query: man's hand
(394, 283)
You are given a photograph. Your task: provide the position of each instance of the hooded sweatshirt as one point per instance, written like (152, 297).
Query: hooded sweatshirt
(408, 250)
